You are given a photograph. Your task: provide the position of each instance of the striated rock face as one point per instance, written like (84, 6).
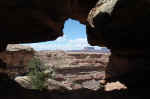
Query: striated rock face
(76, 69)
(63, 59)
(15, 60)
(70, 68)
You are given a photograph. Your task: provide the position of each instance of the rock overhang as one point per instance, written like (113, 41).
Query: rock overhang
(123, 25)
(35, 21)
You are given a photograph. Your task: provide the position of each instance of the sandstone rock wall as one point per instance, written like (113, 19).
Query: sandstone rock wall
(15, 60)
(70, 70)
(73, 59)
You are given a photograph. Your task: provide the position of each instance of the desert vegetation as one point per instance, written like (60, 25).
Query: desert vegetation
(65, 70)
(39, 73)
(56, 70)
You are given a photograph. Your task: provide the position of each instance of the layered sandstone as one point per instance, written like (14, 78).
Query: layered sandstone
(15, 60)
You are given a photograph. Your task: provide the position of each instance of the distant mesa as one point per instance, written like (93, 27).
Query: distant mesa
(89, 48)
(92, 49)
(105, 50)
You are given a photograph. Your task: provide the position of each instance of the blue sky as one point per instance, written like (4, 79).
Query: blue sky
(74, 38)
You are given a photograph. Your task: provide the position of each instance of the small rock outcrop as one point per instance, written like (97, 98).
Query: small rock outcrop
(24, 81)
(16, 59)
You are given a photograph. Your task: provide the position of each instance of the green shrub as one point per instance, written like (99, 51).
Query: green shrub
(37, 75)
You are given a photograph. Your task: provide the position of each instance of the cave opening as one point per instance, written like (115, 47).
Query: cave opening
(74, 39)
(77, 65)
(120, 25)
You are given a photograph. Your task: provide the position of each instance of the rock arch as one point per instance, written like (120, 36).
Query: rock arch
(121, 25)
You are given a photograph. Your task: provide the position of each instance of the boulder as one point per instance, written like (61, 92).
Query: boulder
(114, 86)
(91, 84)
(24, 81)
(53, 84)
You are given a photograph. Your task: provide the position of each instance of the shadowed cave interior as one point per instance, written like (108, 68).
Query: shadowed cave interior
(120, 25)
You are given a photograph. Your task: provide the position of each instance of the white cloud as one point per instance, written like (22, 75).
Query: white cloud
(66, 42)
(61, 44)
(78, 43)
(62, 39)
